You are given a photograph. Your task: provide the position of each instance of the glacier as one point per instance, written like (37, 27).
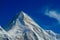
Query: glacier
(23, 27)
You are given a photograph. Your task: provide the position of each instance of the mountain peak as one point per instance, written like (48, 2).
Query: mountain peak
(22, 14)
(25, 28)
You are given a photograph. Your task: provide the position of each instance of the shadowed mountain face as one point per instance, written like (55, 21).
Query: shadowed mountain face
(24, 28)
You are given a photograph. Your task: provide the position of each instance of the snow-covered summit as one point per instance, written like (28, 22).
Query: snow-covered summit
(23, 25)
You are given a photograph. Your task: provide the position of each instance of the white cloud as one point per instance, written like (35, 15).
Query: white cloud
(53, 14)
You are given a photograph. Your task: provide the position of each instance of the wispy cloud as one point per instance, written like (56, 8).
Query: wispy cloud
(53, 14)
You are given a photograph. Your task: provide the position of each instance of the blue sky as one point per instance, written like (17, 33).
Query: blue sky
(45, 13)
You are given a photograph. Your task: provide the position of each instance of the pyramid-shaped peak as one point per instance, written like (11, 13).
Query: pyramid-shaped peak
(22, 14)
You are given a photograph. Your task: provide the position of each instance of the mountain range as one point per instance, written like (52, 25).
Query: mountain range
(23, 27)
